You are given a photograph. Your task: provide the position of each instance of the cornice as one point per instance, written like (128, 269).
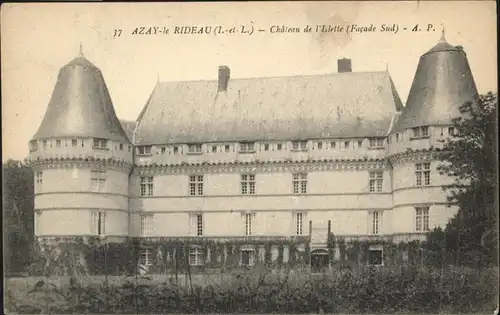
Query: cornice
(81, 162)
(411, 155)
(265, 166)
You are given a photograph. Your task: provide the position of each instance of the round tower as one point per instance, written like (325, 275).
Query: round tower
(442, 83)
(81, 158)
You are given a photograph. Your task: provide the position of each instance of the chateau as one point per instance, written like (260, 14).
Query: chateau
(249, 160)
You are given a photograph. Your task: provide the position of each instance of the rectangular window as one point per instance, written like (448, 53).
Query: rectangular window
(333, 144)
(375, 226)
(376, 180)
(421, 132)
(214, 149)
(266, 147)
(196, 185)
(375, 257)
(145, 257)
(360, 144)
(147, 186)
(39, 178)
(144, 150)
(299, 223)
(58, 143)
(248, 223)
(194, 148)
(320, 145)
(196, 224)
(33, 145)
(451, 131)
(44, 144)
(98, 223)
(248, 184)
(422, 219)
(163, 150)
(346, 144)
(146, 224)
(376, 143)
(176, 149)
(227, 148)
(423, 174)
(100, 143)
(195, 256)
(299, 145)
(279, 146)
(97, 180)
(247, 147)
(247, 257)
(121, 146)
(299, 183)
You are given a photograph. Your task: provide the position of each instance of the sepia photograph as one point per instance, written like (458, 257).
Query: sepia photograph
(332, 157)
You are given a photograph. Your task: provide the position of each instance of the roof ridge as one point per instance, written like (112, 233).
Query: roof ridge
(281, 77)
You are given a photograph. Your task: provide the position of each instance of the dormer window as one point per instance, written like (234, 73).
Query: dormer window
(376, 143)
(144, 150)
(421, 132)
(247, 147)
(100, 143)
(33, 145)
(299, 145)
(194, 148)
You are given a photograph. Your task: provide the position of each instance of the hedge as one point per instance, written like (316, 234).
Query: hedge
(402, 289)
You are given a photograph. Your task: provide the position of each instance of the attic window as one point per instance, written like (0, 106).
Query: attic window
(420, 132)
(100, 143)
(144, 150)
(194, 148)
(377, 143)
(247, 147)
(299, 145)
(33, 146)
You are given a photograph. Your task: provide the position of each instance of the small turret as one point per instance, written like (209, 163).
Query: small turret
(442, 83)
(80, 105)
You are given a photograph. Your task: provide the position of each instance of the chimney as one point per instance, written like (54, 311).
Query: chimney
(344, 65)
(224, 74)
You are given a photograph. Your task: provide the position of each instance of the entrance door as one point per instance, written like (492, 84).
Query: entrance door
(319, 260)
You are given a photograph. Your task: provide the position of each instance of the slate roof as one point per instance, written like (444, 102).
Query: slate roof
(80, 106)
(443, 81)
(352, 104)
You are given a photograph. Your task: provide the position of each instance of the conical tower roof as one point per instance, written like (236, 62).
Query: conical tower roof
(80, 105)
(442, 83)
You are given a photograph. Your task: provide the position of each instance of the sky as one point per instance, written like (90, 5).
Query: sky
(37, 39)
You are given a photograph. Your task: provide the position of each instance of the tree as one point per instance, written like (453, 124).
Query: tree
(470, 158)
(18, 212)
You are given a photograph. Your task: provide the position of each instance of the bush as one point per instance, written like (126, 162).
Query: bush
(404, 289)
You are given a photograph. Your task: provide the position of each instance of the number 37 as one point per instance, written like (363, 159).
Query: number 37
(117, 33)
